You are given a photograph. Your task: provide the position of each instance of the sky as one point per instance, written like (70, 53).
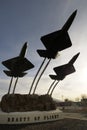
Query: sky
(28, 20)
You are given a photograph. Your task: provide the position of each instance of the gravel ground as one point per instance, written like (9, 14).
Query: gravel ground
(65, 124)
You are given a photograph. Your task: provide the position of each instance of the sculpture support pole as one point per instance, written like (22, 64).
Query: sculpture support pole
(10, 85)
(41, 75)
(54, 88)
(15, 85)
(36, 75)
(51, 86)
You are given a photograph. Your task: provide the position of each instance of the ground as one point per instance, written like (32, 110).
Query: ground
(65, 124)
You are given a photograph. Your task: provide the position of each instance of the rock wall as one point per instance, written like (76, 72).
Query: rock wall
(22, 103)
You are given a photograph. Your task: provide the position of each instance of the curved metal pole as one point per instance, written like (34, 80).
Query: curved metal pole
(41, 75)
(36, 75)
(15, 85)
(54, 88)
(51, 86)
(10, 85)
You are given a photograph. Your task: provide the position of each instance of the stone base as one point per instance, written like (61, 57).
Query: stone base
(22, 103)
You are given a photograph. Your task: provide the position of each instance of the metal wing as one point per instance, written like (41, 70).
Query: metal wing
(18, 63)
(54, 77)
(26, 65)
(15, 74)
(10, 62)
(64, 70)
(47, 53)
(56, 41)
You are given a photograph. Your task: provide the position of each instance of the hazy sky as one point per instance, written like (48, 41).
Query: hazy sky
(28, 20)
